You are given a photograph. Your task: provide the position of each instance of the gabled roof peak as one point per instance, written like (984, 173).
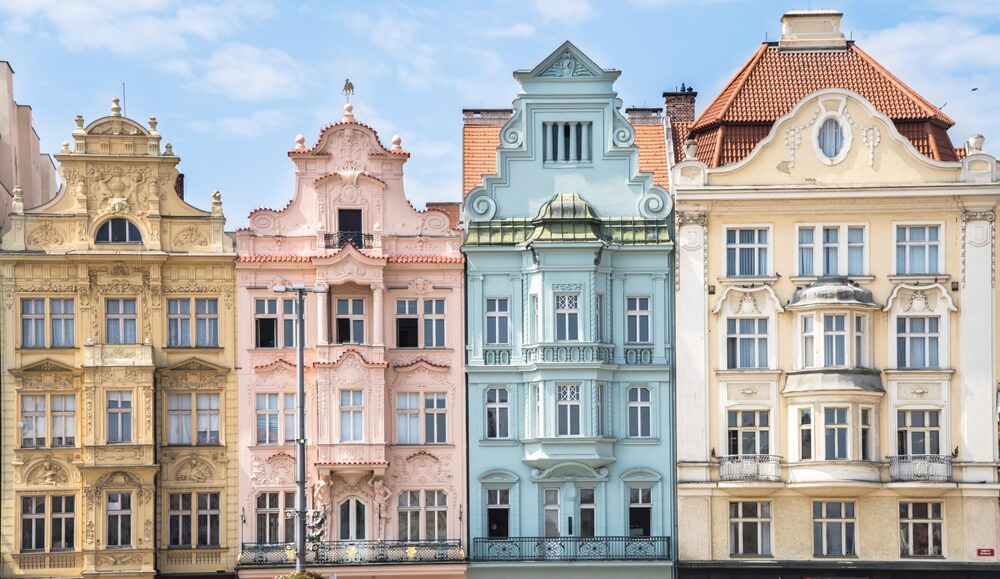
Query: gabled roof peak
(567, 63)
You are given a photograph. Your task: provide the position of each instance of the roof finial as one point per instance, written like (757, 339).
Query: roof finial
(348, 113)
(300, 141)
(116, 108)
(397, 143)
(348, 89)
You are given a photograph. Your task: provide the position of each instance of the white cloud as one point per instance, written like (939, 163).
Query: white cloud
(516, 30)
(247, 126)
(565, 11)
(399, 36)
(250, 73)
(176, 66)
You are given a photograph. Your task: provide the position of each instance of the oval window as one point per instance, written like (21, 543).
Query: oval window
(831, 138)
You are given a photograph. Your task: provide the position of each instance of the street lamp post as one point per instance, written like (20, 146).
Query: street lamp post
(300, 290)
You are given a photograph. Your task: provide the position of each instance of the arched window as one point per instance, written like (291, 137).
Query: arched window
(831, 138)
(118, 230)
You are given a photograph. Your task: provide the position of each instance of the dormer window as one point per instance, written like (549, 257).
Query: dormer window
(567, 142)
(118, 230)
(831, 138)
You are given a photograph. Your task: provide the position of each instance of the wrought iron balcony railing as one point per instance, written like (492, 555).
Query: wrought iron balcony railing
(750, 467)
(568, 352)
(352, 553)
(356, 238)
(571, 549)
(920, 467)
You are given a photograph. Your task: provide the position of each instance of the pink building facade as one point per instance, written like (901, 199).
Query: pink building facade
(384, 367)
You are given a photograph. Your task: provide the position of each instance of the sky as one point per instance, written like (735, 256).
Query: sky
(233, 82)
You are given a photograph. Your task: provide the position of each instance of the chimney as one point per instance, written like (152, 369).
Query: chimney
(812, 30)
(680, 104)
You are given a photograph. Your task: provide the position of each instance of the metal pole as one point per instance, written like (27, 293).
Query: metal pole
(300, 436)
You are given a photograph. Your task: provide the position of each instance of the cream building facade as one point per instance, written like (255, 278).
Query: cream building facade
(119, 416)
(837, 380)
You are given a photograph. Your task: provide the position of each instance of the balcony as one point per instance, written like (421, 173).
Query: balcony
(341, 238)
(562, 549)
(750, 467)
(352, 553)
(47, 561)
(117, 355)
(920, 467)
(568, 353)
(638, 355)
(496, 356)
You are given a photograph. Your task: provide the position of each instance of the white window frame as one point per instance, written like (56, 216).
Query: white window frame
(353, 319)
(206, 314)
(842, 245)
(801, 428)
(837, 427)
(639, 413)
(33, 322)
(927, 337)
(763, 523)
(940, 244)
(846, 520)
(433, 324)
(59, 520)
(757, 429)
(121, 319)
(566, 317)
(351, 413)
(38, 515)
(735, 336)
(908, 430)
(499, 411)
(408, 515)
(812, 346)
(37, 418)
(640, 496)
(638, 318)
(435, 526)
(497, 319)
(62, 323)
(866, 444)
(269, 311)
(907, 521)
(569, 397)
(179, 322)
(119, 414)
(120, 515)
(756, 245)
(63, 422)
(407, 412)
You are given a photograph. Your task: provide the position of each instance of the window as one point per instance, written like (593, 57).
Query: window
(33, 523)
(550, 512)
(833, 529)
(408, 418)
(917, 249)
(179, 419)
(62, 323)
(206, 312)
(746, 343)
(436, 516)
(497, 513)
(917, 342)
(805, 434)
(859, 342)
(497, 321)
(535, 321)
(266, 323)
(208, 519)
(587, 512)
(841, 252)
(599, 410)
(640, 511)
(208, 418)
(63, 420)
(567, 317)
(918, 432)
(831, 138)
(920, 529)
(566, 142)
(270, 514)
(867, 443)
(497, 413)
(179, 517)
(267, 418)
(119, 520)
(407, 323)
(179, 323)
(640, 410)
(32, 323)
(808, 341)
(746, 252)
(749, 432)
(118, 231)
(352, 520)
(289, 321)
(351, 416)
(835, 430)
(750, 528)
(435, 419)
(119, 417)
(32, 421)
(831, 246)
(408, 515)
(434, 323)
(120, 321)
(637, 317)
(855, 250)
(350, 321)
(63, 523)
(834, 338)
(568, 410)
(291, 417)
(807, 237)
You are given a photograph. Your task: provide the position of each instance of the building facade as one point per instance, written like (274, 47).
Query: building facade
(569, 284)
(118, 384)
(384, 368)
(837, 340)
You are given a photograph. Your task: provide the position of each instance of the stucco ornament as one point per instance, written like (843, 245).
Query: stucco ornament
(321, 495)
(48, 473)
(190, 235)
(45, 234)
(567, 66)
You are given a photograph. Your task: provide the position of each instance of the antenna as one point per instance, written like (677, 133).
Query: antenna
(124, 110)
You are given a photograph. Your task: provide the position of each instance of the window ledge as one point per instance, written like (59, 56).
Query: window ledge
(420, 445)
(191, 348)
(259, 446)
(498, 442)
(918, 372)
(807, 279)
(419, 349)
(567, 164)
(750, 280)
(57, 349)
(761, 373)
(737, 556)
(639, 441)
(916, 278)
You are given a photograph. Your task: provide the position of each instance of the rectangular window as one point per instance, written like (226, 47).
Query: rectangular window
(120, 319)
(408, 515)
(566, 142)
(497, 513)
(831, 245)
(640, 410)
(208, 519)
(408, 418)
(568, 410)
(435, 419)
(435, 516)
(350, 321)
(63, 325)
(535, 321)
(32, 323)
(640, 511)
(917, 342)
(807, 236)
(351, 416)
(750, 528)
(917, 249)
(855, 250)
(289, 321)
(746, 252)
(289, 526)
(746, 343)
(497, 413)
(63, 420)
(599, 410)
(587, 512)
(835, 430)
(599, 314)
(119, 528)
(32, 421)
(119, 417)
(859, 342)
(918, 432)
(179, 519)
(808, 341)
(206, 312)
(269, 516)
(407, 323)
(637, 320)
(208, 418)
(920, 525)
(267, 418)
(179, 419)
(179, 323)
(749, 432)
(550, 512)
(497, 321)
(567, 317)
(834, 339)
(63, 523)
(867, 443)
(266, 323)
(290, 413)
(840, 252)
(805, 434)
(434, 323)
(833, 529)
(32, 524)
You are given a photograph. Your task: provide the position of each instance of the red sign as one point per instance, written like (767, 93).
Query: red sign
(985, 551)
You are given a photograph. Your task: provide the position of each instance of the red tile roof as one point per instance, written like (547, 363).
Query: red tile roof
(426, 259)
(773, 81)
(273, 258)
(313, 150)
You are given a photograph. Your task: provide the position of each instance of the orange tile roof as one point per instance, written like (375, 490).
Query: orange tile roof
(426, 259)
(678, 134)
(773, 81)
(652, 152)
(273, 258)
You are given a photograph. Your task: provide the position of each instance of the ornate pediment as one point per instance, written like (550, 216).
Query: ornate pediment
(194, 470)
(45, 365)
(195, 365)
(746, 301)
(566, 62)
(48, 473)
(349, 265)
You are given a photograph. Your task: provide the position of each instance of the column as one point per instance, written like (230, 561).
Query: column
(515, 315)
(322, 317)
(691, 347)
(378, 314)
(616, 304)
(660, 320)
(585, 137)
(572, 141)
(559, 141)
(474, 317)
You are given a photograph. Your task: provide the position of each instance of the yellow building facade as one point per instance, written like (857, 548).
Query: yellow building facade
(119, 394)
(837, 380)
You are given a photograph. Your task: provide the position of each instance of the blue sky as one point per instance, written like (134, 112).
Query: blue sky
(233, 82)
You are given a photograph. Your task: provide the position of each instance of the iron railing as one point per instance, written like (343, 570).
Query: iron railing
(764, 467)
(352, 553)
(920, 467)
(571, 549)
(341, 238)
